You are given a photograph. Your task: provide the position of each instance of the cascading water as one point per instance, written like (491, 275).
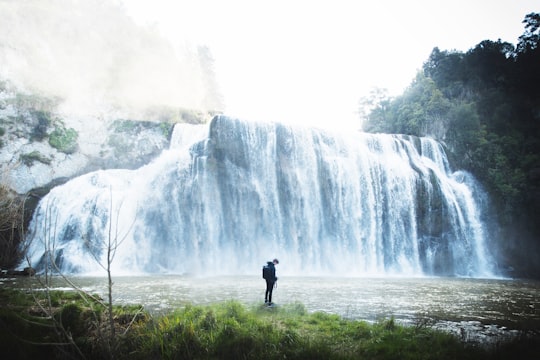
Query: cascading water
(227, 197)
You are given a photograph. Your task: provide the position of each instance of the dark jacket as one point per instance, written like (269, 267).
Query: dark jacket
(273, 277)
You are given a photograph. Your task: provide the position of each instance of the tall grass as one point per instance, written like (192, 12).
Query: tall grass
(233, 331)
(230, 330)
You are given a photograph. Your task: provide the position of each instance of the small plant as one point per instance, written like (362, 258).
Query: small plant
(11, 226)
(134, 127)
(64, 140)
(165, 129)
(124, 126)
(28, 159)
(70, 319)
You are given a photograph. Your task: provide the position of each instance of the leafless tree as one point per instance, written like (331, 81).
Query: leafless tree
(110, 245)
(11, 226)
(50, 270)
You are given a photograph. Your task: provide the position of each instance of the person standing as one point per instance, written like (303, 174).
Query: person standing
(269, 274)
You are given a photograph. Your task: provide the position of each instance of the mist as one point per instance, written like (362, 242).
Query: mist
(92, 55)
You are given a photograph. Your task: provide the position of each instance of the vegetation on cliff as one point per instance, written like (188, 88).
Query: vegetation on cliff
(11, 227)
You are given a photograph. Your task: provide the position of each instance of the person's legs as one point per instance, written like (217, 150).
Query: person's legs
(268, 291)
(268, 294)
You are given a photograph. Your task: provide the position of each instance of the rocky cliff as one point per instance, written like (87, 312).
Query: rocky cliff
(42, 145)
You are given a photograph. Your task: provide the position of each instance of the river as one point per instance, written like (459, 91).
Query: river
(479, 310)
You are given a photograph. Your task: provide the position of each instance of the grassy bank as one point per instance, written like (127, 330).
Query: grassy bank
(72, 325)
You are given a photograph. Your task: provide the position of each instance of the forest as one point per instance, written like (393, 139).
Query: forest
(484, 105)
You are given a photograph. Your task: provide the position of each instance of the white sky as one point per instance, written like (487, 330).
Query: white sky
(311, 61)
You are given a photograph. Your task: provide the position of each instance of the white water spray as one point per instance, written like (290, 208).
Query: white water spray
(226, 198)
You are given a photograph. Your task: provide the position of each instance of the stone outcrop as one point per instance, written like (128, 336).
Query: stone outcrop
(41, 146)
(27, 271)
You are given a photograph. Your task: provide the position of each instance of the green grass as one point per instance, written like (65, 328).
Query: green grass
(233, 331)
(228, 330)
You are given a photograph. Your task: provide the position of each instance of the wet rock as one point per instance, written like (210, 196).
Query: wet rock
(27, 271)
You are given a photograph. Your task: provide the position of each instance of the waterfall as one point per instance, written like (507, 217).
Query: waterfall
(228, 196)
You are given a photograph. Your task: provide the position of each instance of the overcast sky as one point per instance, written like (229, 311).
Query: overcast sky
(311, 61)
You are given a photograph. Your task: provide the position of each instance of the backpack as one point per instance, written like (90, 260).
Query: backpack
(267, 272)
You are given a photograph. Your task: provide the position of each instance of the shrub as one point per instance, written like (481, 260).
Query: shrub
(11, 215)
(70, 318)
(64, 140)
(125, 126)
(28, 159)
(135, 127)
(166, 129)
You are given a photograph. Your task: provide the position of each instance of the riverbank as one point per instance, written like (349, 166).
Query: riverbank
(58, 324)
(481, 312)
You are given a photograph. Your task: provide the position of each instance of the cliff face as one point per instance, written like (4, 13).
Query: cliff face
(41, 145)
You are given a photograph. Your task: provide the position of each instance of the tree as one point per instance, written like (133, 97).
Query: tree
(531, 37)
(446, 68)
(419, 111)
(375, 102)
(11, 227)
(110, 245)
(527, 79)
(106, 329)
(488, 64)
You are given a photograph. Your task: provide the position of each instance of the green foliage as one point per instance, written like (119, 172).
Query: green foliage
(124, 126)
(192, 117)
(64, 140)
(70, 319)
(29, 158)
(35, 102)
(531, 37)
(484, 105)
(173, 115)
(166, 129)
(121, 128)
(127, 136)
(134, 127)
(20, 334)
(11, 227)
(414, 113)
(58, 324)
